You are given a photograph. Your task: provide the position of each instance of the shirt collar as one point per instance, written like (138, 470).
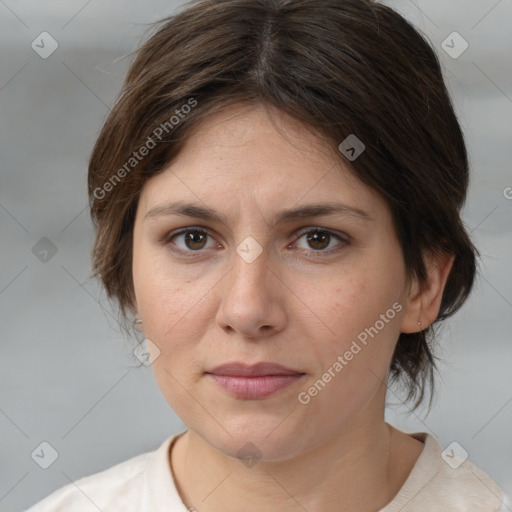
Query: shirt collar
(159, 490)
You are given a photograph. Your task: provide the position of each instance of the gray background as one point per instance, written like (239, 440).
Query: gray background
(68, 375)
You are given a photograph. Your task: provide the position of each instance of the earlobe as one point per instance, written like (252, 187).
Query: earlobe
(137, 321)
(424, 299)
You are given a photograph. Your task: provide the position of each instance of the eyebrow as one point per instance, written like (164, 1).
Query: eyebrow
(283, 216)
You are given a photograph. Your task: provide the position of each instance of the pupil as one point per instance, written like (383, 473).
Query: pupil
(195, 237)
(314, 239)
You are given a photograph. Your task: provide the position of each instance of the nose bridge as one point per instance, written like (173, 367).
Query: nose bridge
(250, 278)
(252, 302)
(248, 299)
(250, 266)
(254, 239)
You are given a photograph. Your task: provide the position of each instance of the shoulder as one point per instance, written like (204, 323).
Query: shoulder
(120, 484)
(446, 480)
(468, 488)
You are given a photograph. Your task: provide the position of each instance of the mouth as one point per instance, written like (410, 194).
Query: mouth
(253, 381)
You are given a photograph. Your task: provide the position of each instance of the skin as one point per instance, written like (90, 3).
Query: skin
(286, 306)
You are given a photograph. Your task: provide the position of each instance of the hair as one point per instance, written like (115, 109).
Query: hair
(340, 67)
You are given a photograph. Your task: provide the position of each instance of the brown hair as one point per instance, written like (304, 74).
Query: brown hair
(340, 67)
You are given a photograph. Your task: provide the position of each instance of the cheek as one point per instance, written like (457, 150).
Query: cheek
(355, 298)
(171, 305)
(175, 313)
(163, 293)
(362, 310)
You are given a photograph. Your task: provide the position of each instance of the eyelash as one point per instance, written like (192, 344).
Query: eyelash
(342, 238)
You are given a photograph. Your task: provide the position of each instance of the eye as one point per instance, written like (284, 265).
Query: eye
(320, 239)
(194, 239)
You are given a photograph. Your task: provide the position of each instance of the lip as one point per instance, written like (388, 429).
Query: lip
(262, 369)
(253, 382)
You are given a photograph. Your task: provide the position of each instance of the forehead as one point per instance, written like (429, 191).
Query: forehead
(250, 153)
(239, 134)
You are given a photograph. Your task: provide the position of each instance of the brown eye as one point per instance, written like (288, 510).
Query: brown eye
(322, 241)
(192, 239)
(318, 239)
(195, 239)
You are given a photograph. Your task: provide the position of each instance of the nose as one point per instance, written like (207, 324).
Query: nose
(252, 298)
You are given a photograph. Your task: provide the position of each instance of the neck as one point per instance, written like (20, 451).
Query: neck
(360, 469)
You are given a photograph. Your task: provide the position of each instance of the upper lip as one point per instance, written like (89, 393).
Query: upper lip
(254, 370)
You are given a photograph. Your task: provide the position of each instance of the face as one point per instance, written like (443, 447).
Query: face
(322, 294)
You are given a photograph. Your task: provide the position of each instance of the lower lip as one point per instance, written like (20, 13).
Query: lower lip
(255, 387)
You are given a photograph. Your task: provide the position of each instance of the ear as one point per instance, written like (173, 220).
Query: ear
(137, 325)
(424, 299)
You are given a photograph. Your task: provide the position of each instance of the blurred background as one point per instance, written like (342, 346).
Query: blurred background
(68, 375)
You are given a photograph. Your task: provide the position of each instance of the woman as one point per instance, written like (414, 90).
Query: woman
(277, 197)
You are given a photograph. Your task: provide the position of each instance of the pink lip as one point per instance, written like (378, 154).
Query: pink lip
(253, 381)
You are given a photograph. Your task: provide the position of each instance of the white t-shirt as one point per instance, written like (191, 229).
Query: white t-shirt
(145, 483)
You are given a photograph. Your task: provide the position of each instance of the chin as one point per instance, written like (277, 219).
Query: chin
(252, 440)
